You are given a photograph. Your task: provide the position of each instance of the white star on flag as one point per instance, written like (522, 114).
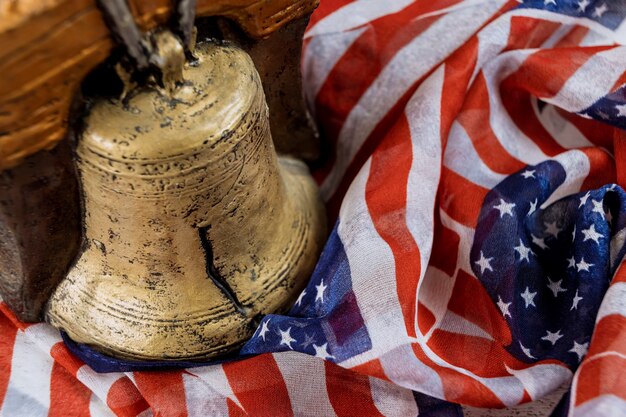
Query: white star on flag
(533, 207)
(484, 263)
(285, 338)
(579, 349)
(582, 5)
(552, 229)
(582, 265)
(621, 110)
(529, 297)
(546, 2)
(505, 208)
(308, 340)
(555, 287)
(528, 173)
(320, 291)
(300, 297)
(583, 199)
(264, 329)
(523, 251)
(598, 207)
(571, 262)
(526, 351)
(591, 234)
(552, 337)
(599, 11)
(322, 352)
(539, 241)
(504, 307)
(575, 301)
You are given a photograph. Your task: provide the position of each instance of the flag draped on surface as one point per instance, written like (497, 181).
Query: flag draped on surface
(475, 164)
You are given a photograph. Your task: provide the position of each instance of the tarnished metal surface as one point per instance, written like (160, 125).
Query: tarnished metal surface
(193, 226)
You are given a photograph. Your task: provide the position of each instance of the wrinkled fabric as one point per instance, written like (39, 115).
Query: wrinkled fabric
(474, 171)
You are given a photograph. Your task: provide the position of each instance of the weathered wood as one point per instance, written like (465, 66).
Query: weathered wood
(39, 229)
(48, 47)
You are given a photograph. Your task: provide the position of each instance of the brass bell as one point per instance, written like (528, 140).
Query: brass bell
(193, 227)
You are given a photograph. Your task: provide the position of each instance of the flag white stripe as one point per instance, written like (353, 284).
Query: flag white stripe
(320, 57)
(563, 132)
(99, 409)
(614, 301)
(540, 380)
(307, 390)
(407, 66)
(201, 399)
(425, 171)
(604, 68)
(454, 323)
(606, 405)
(28, 391)
(215, 377)
(392, 400)
(406, 370)
(355, 14)
(466, 237)
(372, 268)
(435, 293)
(98, 383)
(461, 157)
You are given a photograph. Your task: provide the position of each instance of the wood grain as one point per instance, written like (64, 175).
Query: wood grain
(47, 47)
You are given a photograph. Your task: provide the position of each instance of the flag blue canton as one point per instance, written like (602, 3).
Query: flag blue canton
(325, 320)
(607, 13)
(547, 264)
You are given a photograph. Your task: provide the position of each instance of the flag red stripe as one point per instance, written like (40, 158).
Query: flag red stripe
(62, 355)
(68, 396)
(164, 391)
(458, 387)
(601, 168)
(458, 72)
(234, 410)
(425, 319)
(361, 64)
(482, 311)
(619, 140)
(574, 37)
(391, 163)
(609, 335)
(474, 117)
(355, 71)
(542, 75)
(259, 386)
(124, 399)
(7, 342)
(598, 133)
(528, 32)
(370, 144)
(371, 368)
(460, 198)
(603, 375)
(350, 394)
(445, 250)
(474, 348)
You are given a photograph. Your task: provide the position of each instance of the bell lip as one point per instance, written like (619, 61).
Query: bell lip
(103, 362)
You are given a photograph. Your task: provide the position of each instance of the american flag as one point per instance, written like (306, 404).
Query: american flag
(475, 156)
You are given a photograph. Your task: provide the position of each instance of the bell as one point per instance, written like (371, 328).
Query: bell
(193, 226)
